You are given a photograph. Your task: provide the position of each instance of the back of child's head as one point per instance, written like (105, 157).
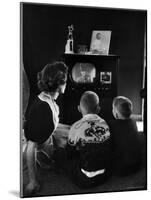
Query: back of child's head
(123, 106)
(89, 102)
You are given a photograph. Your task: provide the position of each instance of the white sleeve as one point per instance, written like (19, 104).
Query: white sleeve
(75, 132)
(72, 136)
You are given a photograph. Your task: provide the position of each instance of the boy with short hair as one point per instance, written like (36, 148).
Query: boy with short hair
(126, 145)
(88, 146)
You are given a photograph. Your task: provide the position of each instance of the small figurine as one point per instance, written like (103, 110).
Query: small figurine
(69, 44)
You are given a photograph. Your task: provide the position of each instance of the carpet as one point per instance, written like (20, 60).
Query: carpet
(57, 183)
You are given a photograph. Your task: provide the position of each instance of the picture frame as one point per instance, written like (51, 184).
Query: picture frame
(106, 77)
(100, 42)
(40, 30)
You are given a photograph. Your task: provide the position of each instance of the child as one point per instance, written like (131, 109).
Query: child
(88, 146)
(126, 146)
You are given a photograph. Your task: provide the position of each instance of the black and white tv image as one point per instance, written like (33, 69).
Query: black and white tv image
(83, 73)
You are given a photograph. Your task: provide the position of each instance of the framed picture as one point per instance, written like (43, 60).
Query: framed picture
(106, 77)
(55, 74)
(100, 42)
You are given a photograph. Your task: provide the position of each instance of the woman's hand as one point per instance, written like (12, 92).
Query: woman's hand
(32, 187)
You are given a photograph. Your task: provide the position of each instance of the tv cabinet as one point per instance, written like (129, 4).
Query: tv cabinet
(106, 89)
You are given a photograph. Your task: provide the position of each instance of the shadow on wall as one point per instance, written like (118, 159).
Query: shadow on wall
(25, 91)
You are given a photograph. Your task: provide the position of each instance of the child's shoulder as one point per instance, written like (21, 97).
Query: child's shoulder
(122, 123)
(76, 124)
(101, 121)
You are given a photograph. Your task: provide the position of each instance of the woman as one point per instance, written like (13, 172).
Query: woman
(42, 119)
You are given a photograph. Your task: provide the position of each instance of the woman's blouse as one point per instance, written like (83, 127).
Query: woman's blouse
(42, 119)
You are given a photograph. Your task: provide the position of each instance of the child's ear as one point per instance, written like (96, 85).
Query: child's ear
(98, 109)
(116, 115)
(79, 109)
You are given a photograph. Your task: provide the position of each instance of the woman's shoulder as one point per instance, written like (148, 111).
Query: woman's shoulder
(40, 106)
(39, 103)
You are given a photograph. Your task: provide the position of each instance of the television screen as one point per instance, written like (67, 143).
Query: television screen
(84, 73)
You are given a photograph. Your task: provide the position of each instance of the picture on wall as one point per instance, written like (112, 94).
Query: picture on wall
(100, 42)
(83, 114)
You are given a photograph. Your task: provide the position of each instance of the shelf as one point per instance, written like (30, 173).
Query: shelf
(89, 55)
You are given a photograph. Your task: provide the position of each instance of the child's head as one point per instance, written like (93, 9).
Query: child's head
(89, 103)
(122, 107)
(98, 36)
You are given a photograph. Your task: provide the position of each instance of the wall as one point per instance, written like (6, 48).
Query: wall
(45, 33)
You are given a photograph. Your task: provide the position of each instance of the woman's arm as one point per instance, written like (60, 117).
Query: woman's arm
(33, 184)
(61, 136)
(63, 126)
(40, 127)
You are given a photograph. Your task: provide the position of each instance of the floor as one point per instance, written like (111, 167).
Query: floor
(54, 183)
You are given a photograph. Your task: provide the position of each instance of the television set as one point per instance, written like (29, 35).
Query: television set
(96, 73)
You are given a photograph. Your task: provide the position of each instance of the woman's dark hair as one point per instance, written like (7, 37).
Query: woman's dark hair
(51, 76)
